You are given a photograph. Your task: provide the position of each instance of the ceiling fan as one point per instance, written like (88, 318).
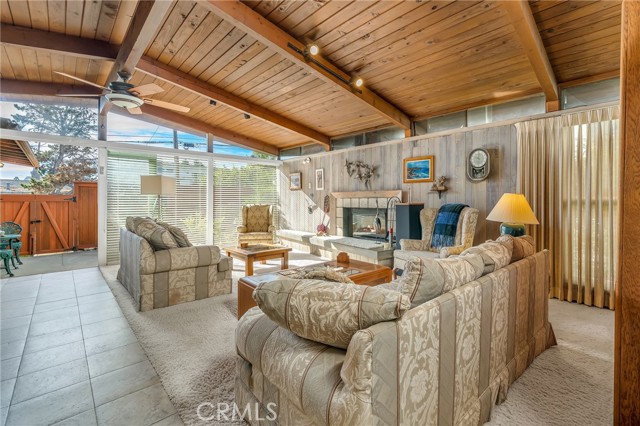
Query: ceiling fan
(126, 95)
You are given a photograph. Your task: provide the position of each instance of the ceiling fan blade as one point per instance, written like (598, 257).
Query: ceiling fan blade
(80, 79)
(69, 95)
(146, 89)
(166, 105)
(135, 111)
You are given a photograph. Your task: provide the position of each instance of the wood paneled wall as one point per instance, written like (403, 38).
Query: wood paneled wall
(627, 343)
(450, 151)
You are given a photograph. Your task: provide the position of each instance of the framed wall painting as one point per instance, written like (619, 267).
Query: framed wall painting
(295, 181)
(319, 179)
(418, 169)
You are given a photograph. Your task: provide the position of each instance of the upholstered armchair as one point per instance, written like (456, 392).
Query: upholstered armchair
(257, 224)
(422, 248)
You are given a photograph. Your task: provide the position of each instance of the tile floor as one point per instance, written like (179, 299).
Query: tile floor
(69, 356)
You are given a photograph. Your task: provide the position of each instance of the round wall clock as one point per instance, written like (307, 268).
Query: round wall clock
(478, 165)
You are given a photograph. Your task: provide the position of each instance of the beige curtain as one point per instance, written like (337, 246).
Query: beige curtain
(569, 172)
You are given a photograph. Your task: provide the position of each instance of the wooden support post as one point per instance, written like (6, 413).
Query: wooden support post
(627, 325)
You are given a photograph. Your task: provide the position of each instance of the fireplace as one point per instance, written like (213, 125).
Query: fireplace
(361, 223)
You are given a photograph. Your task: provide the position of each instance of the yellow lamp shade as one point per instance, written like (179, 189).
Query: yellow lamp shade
(513, 208)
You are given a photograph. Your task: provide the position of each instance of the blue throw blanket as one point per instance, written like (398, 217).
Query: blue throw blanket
(444, 230)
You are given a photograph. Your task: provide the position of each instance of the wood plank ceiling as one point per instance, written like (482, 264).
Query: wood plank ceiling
(424, 57)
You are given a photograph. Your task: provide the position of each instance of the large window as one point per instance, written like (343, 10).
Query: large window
(591, 94)
(187, 209)
(237, 184)
(131, 130)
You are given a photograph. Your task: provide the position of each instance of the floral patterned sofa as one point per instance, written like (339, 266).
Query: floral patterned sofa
(160, 278)
(445, 361)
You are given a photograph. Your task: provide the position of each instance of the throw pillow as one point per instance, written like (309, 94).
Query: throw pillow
(328, 312)
(156, 235)
(130, 225)
(523, 246)
(325, 273)
(177, 233)
(495, 255)
(426, 279)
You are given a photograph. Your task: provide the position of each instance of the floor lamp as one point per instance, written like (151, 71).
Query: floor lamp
(157, 185)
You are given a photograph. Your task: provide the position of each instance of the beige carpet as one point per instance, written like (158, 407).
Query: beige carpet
(570, 384)
(191, 347)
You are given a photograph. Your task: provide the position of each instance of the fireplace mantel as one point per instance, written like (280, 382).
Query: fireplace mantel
(368, 194)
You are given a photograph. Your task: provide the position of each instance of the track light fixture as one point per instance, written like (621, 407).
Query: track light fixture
(313, 50)
(213, 103)
(247, 116)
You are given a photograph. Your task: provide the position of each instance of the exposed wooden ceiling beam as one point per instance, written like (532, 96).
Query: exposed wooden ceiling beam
(95, 49)
(36, 88)
(146, 22)
(489, 100)
(590, 79)
(527, 31)
(192, 84)
(56, 42)
(17, 90)
(258, 27)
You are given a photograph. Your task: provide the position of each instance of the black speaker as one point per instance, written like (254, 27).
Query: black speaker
(408, 222)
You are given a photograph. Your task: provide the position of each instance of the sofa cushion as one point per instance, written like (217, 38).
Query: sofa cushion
(523, 246)
(495, 255)
(328, 312)
(426, 279)
(159, 237)
(257, 218)
(177, 233)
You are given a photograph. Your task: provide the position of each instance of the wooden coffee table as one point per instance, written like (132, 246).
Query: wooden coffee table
(261, 252)
(362, 273)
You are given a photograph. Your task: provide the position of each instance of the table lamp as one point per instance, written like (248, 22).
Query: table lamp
(157, 185)
(514, 212)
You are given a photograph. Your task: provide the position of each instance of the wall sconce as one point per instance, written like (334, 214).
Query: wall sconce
(306, 160)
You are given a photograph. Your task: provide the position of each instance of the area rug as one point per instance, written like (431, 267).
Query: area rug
(191, 346)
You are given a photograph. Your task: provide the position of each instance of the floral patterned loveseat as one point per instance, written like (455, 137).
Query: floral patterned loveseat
(445, 361)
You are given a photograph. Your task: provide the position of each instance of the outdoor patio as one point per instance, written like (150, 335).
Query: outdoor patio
(47, 263)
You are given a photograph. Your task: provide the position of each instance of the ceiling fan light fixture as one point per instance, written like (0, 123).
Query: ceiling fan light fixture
(124, 101)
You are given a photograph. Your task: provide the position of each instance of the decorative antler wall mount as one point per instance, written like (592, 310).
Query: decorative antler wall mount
(361, 171)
